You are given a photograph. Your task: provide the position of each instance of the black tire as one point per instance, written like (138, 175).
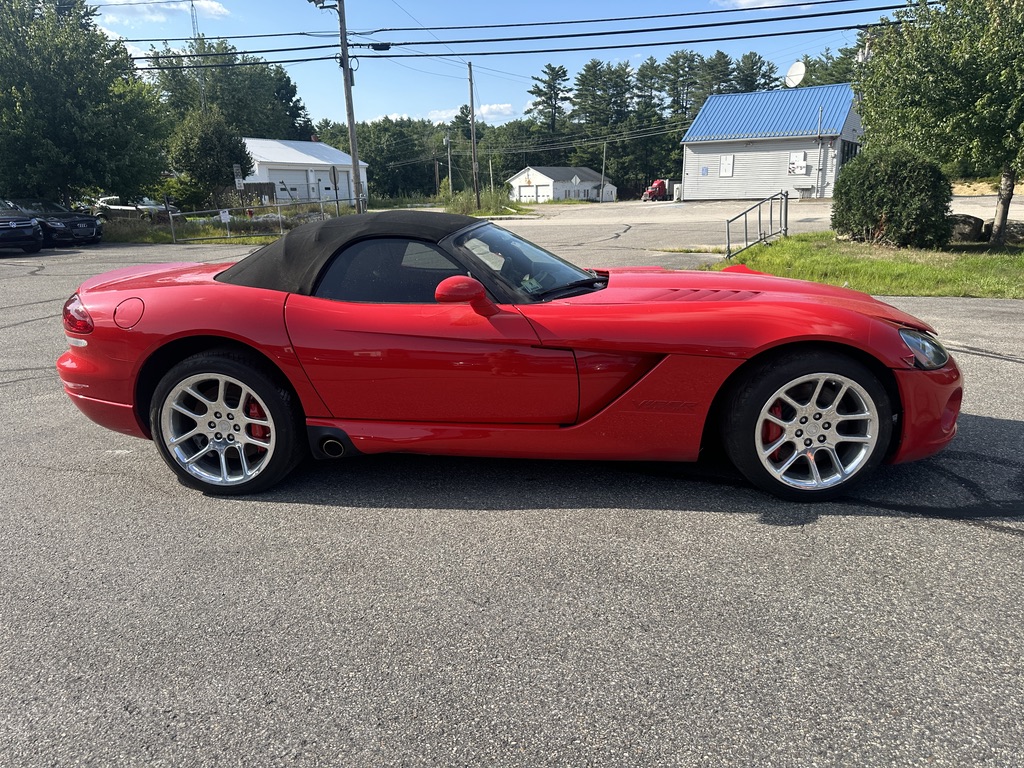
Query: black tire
(32, 248)
(225, 425)
(809, 426)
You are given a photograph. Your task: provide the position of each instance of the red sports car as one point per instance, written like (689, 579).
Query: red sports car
(442, 334)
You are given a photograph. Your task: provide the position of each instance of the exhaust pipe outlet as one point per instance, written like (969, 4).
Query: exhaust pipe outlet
(332, 447)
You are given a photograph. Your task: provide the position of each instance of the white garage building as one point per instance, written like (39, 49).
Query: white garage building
(303, 170)
(541, 183)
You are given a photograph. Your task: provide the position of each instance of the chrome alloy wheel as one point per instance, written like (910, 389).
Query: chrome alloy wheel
(817, 431)
(217, 429)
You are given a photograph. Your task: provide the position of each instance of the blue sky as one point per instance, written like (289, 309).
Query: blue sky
(435, 88)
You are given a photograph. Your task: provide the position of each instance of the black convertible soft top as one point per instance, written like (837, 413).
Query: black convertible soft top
(293, 262)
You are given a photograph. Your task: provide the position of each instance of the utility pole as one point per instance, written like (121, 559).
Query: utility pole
(200, 48)
(448, 144)
(472, 137)
(604, 157)
(346, 73)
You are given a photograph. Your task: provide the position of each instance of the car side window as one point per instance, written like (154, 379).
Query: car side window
(387, 271)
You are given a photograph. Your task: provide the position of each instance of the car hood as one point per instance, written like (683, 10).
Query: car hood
(64, 216)
(657, 285)
(20, 218)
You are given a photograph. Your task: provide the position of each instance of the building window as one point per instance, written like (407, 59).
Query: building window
(847, 151)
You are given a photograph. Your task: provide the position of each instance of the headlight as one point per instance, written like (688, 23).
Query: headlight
(928, 353)
(56, 224)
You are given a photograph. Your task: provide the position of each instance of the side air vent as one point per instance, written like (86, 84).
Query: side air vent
(695, 294)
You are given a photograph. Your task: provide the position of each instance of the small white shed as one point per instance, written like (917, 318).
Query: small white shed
(303, 170)
(537, 184)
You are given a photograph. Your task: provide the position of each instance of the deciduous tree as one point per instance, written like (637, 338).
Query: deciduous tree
(206, 149)
(74, 114)
(949, 79)
(256, 99)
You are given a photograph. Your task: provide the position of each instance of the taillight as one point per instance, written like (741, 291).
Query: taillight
(76, 317)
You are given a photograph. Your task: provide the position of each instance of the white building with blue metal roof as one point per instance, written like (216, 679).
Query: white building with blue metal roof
(749, 146)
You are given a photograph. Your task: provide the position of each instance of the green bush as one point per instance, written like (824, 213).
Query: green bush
(492, 203)
(893, 197)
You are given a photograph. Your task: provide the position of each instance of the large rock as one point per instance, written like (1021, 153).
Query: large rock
(1014, 233)
(966, 228)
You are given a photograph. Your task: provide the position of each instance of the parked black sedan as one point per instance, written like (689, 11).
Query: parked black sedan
(60, 225)
(19, 230)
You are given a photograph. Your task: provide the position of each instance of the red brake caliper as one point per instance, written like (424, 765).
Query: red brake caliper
(254, 411)
(770, 431)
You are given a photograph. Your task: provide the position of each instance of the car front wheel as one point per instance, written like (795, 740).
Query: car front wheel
(808, 427)
(224, 426)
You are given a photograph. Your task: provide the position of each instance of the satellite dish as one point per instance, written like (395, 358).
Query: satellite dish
(795, 74)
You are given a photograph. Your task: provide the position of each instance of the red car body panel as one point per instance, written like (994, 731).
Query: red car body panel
(467, 368)
(931, 403)
(181, 302)
(648, 422)
(627, 372)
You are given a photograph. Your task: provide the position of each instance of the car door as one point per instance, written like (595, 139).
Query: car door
(376, 345)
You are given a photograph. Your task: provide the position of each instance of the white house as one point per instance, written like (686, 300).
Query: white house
(303, 170)
(754, 145)
(541, 183)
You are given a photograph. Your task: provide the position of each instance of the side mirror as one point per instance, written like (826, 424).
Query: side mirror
(465, 290)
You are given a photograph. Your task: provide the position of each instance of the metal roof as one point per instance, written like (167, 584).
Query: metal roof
(565, 173)
(785, 113)
(304, 153)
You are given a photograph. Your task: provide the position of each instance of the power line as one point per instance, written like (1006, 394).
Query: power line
(228, 37)
(564, 36)
(332, 33)
(236, 64)
(808, 3)
(567, 143)
(613, 47)
(619, 47)
(648, 30)
(214, 54)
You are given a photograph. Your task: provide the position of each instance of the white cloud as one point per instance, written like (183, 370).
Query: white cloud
(121, 13)
(442, 115)
(495, 110)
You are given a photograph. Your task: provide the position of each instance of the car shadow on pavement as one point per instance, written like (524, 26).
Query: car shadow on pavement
(979, 479)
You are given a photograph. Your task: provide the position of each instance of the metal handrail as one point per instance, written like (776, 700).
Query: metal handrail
(763, 235)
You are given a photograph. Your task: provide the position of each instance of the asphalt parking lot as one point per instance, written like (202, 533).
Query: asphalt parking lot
(422, 611)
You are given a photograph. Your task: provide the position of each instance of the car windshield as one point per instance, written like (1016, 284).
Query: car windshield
(41, 206)
(7, 207)
(528, 270)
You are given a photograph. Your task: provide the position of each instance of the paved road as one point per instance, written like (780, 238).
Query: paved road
(431, 612)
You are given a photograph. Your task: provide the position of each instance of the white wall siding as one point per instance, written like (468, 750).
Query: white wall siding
(759, 168)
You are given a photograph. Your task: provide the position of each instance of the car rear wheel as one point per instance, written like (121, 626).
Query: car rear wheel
(224, 425)
(808, 427)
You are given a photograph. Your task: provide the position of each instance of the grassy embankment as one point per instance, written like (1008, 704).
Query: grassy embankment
(964, 269)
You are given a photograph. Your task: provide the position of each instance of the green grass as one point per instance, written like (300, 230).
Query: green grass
(496, 203)
(134, 231)
(970, 270)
